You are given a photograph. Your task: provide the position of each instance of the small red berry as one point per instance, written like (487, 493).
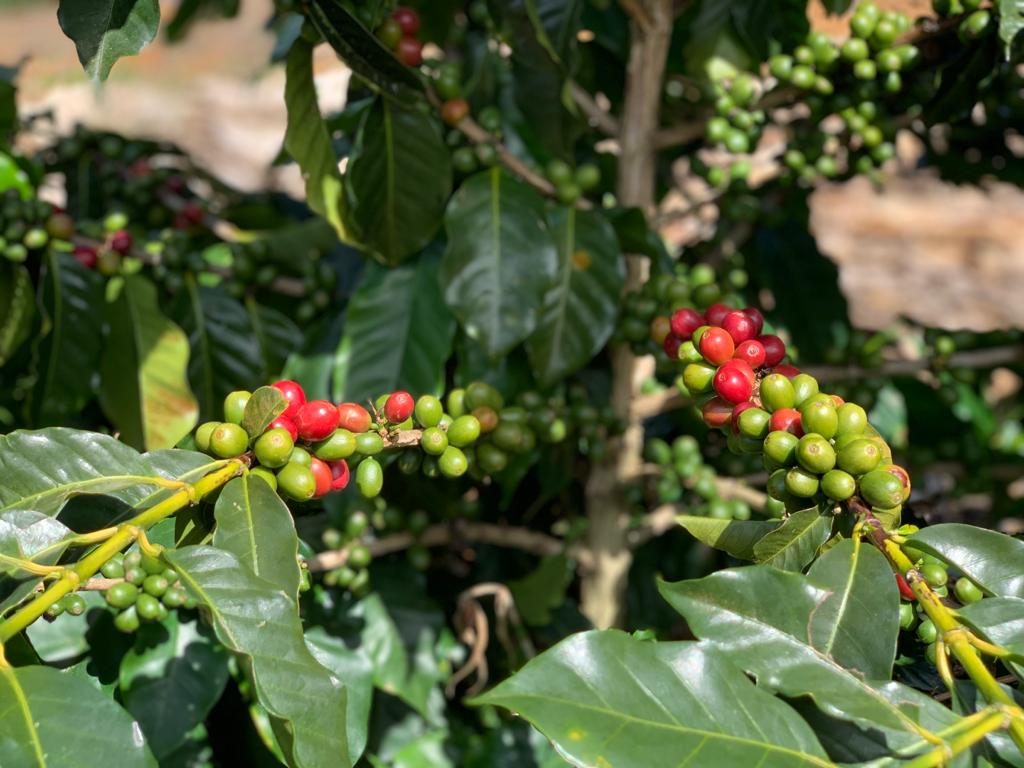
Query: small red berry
(410, 51)
(717, 346)
(323, 476)
(685, 321)
(121, 241)
(905, 591)
(283, 422)
(140, 168)
(316, 419)
(716, 313)
(740, 408)
(175, 184)
(293, 394)
(353, 417)
(774, 349)
(751, 352)
(739, 326)
(789, 371)
(339, 474)
(671, 345)
(398, 407)
(756, 317)
(454, 111)
(716, 412)
(407, 19)
(787, 420)
(193, 212)
(86, 256)
(734, 381)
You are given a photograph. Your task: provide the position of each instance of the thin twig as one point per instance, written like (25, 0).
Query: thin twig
(606, 122)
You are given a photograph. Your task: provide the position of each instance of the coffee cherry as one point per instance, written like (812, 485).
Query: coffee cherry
(389, 33)
(85, 255)
(935, 574)
(234, 405)
(881, 489)
(716, 345)
(715, 314)
(464, 431)
(776, 392)
(698, 377)
(491, 458)
(859, 456)
(134, 575)
(317, 419)
(150, 564)
(685, 321)
(453, 462)
(174, 597)
(322, 476)
(855, 49)
(122, 595)
(751, 352)
(293, 395)
(121, 241)
(740, 326)
(113, 568)
(148, 608)
(287, 424)
(786, 420)
(780, 448)
(369, 478)
(454, 111)
(801, 482)
(155, 584)
(670, 345)
(804, 388)
(265, 475)
(434, 441)
(753, 422)
(339, 474)
(339, 445)
(907, 615)
(127, 621)
(399, 407)
(228, 441)
(296, 481)
(821, 417)
(410, 51)
(660, 330)
(851, 419)
(203, 433)
(734, 381)
(927, 632)
(464, 160)
(273, 448)
(789, 371)
(815, 454)
(838, 485)
(717, 412)
(588, 177)
(353, 417)
(428, 411)
(967, 591)
(369, 443)
(903, 476)
(407, 18)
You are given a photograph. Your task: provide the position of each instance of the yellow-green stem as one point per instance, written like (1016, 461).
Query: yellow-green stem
(124, 535)
(985, 723)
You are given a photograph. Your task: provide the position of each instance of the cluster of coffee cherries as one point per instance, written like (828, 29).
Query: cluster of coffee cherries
(681, 468)
(399, 33)
(817, 447)
(28, 226)
(571, 184)
(147, 589)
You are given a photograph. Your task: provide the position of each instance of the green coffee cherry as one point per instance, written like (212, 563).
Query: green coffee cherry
(369, 478)
(369, 443)
(698, 377)
(815, 454)
(881, 489)
(936, 575)
(127, 621)
(838, 485)
(967, 591)
(134, 575)
(122, 595)
(203, 435)
(113, 568)
(174, 597)
(753, 422)
(463, 431)
(434, 441)
(907, 617)
(228, 440)
(234, 405)
(453, 462)
(804, 388)
(428, 411)
(927, 632)
(777, 392)
(491, 458)
(274, 447)
(151, 565)
(821, 417)
(852, 419)
(859, 457)
(265, 475)
(148, 607)
(780, 448)
(801, 483)
(296, 481)
(339, 445)
(456, 402)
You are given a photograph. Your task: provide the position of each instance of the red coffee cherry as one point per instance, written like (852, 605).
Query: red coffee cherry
(756, 317)
(407, 19)
(740, 408)
(789, 371)
(739, 326)
(399, 407)
(121, 241)
(716, 313)
(734, 381)
(774, 349)
(340, 474)
(293, 393)
(323, 476)
(751, 352)
(717, 346)
(454, 111)
(671, 345)
(685, 321)
(353, 417)
(316, 420)
(283, 422)
(192, 212)
(905, 591)
(717, 413)
(787, 420)
(86, 256)
(410, 51)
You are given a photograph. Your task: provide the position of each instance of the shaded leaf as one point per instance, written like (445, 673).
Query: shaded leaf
(65, 638)
(354, 669)
(1001, 621)
(105, 30)
(993, 561)
(17, 306)
(795, 543)
(734, 537)
(145, 391)
(277, 335)
(636, 236)
(1011, 22)
(606, 698)
(542, 590)
(265, 405)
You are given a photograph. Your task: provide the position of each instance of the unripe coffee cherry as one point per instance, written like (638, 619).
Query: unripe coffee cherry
(273, 448)
(804, 387)
(399, 407)
(203, 433)
(369, 443)
(428, 411)
(715, 314)
(786, 420)
(453, 462)
(859, 456)
(293, 394)
(685, 321)
(739, 325)
(454, 111)
(815, 454)
(340, 444)
(838, 485)
(228, 441)
(801, 482)
(927, 632)
(353, 417)
(127, 621)
(464, 431)
(907, 615)
(967, 591)
(734, 381)
(753, 422)
(323, 477)
(339, 474)
(852, 419)
(776, 392)
(122, 595)
(265, 475)
(819, 416)
(318, 418)
(902, 475)
(935, 574)
(698, 377)
(881, 489)
(296, 481)
(780, 448)
(234, 405)
(434, 441)
(751, 352)
(716, 345)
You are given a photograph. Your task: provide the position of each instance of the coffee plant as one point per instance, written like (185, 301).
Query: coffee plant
(390, 475)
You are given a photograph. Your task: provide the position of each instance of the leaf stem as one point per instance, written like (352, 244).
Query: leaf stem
(982, 724)
(30, 567)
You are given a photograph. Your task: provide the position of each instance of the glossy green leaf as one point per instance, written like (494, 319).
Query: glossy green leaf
(500, 261)
(225, 352)
(1001, 621)
(398, 179)
(254, 525)
(68, 353)
(581, 307)
(993, 561)
(542, 590)
(859, 584)
(795, 543)
(398, 332)
(734, 537)
(170, 680)
(30, 535)
(606, 698)
(265, 405)
(1011, 22)
(353, 668)
(17, 307)
(260, 623)
(54, 719)
(307, 141)
(145, 390)
(105, 30)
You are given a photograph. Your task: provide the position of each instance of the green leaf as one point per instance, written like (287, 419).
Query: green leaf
(734, 537)
(542, 590)
(993, 561)
(278, 335)
(500, 261)
(582, 305)
(606, 698)
(355, 669)
(257, 621)
(1011, 22)
(265, 405)
(859, 584)
(225, 351)
(105, 30)
(795, 543)
(17, 307)
(60, 719)
(362, 51)
(559, 22)
(398, 179)
(30, 535)
(65, 638)
(307, 141)
(636, 236)
(170, 680)
(145, 391)
(68, 354)
(398, 332)
(254, 525)
(1001, 621)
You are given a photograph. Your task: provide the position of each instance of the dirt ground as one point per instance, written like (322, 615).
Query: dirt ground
(941, 254)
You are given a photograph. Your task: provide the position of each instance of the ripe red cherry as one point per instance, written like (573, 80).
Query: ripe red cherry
(789, 371)
(716, 412)
(734, 381)
(408, 20)
(398, 407)
(192, 212)
(323, 476)
(85, 255)
(454, 111)
(353, 417)
(740, 408)
(284, 422)
(756, 317)
(787, 420)
(671, 345)
(716, 313)
(316, 420)
(685, 321)
(410, 51)
(905, 591)
(293, 393)
(751, 352)
(717, 346)
(121, 241)
(340, 474)
(739, 326)
(774, 349)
